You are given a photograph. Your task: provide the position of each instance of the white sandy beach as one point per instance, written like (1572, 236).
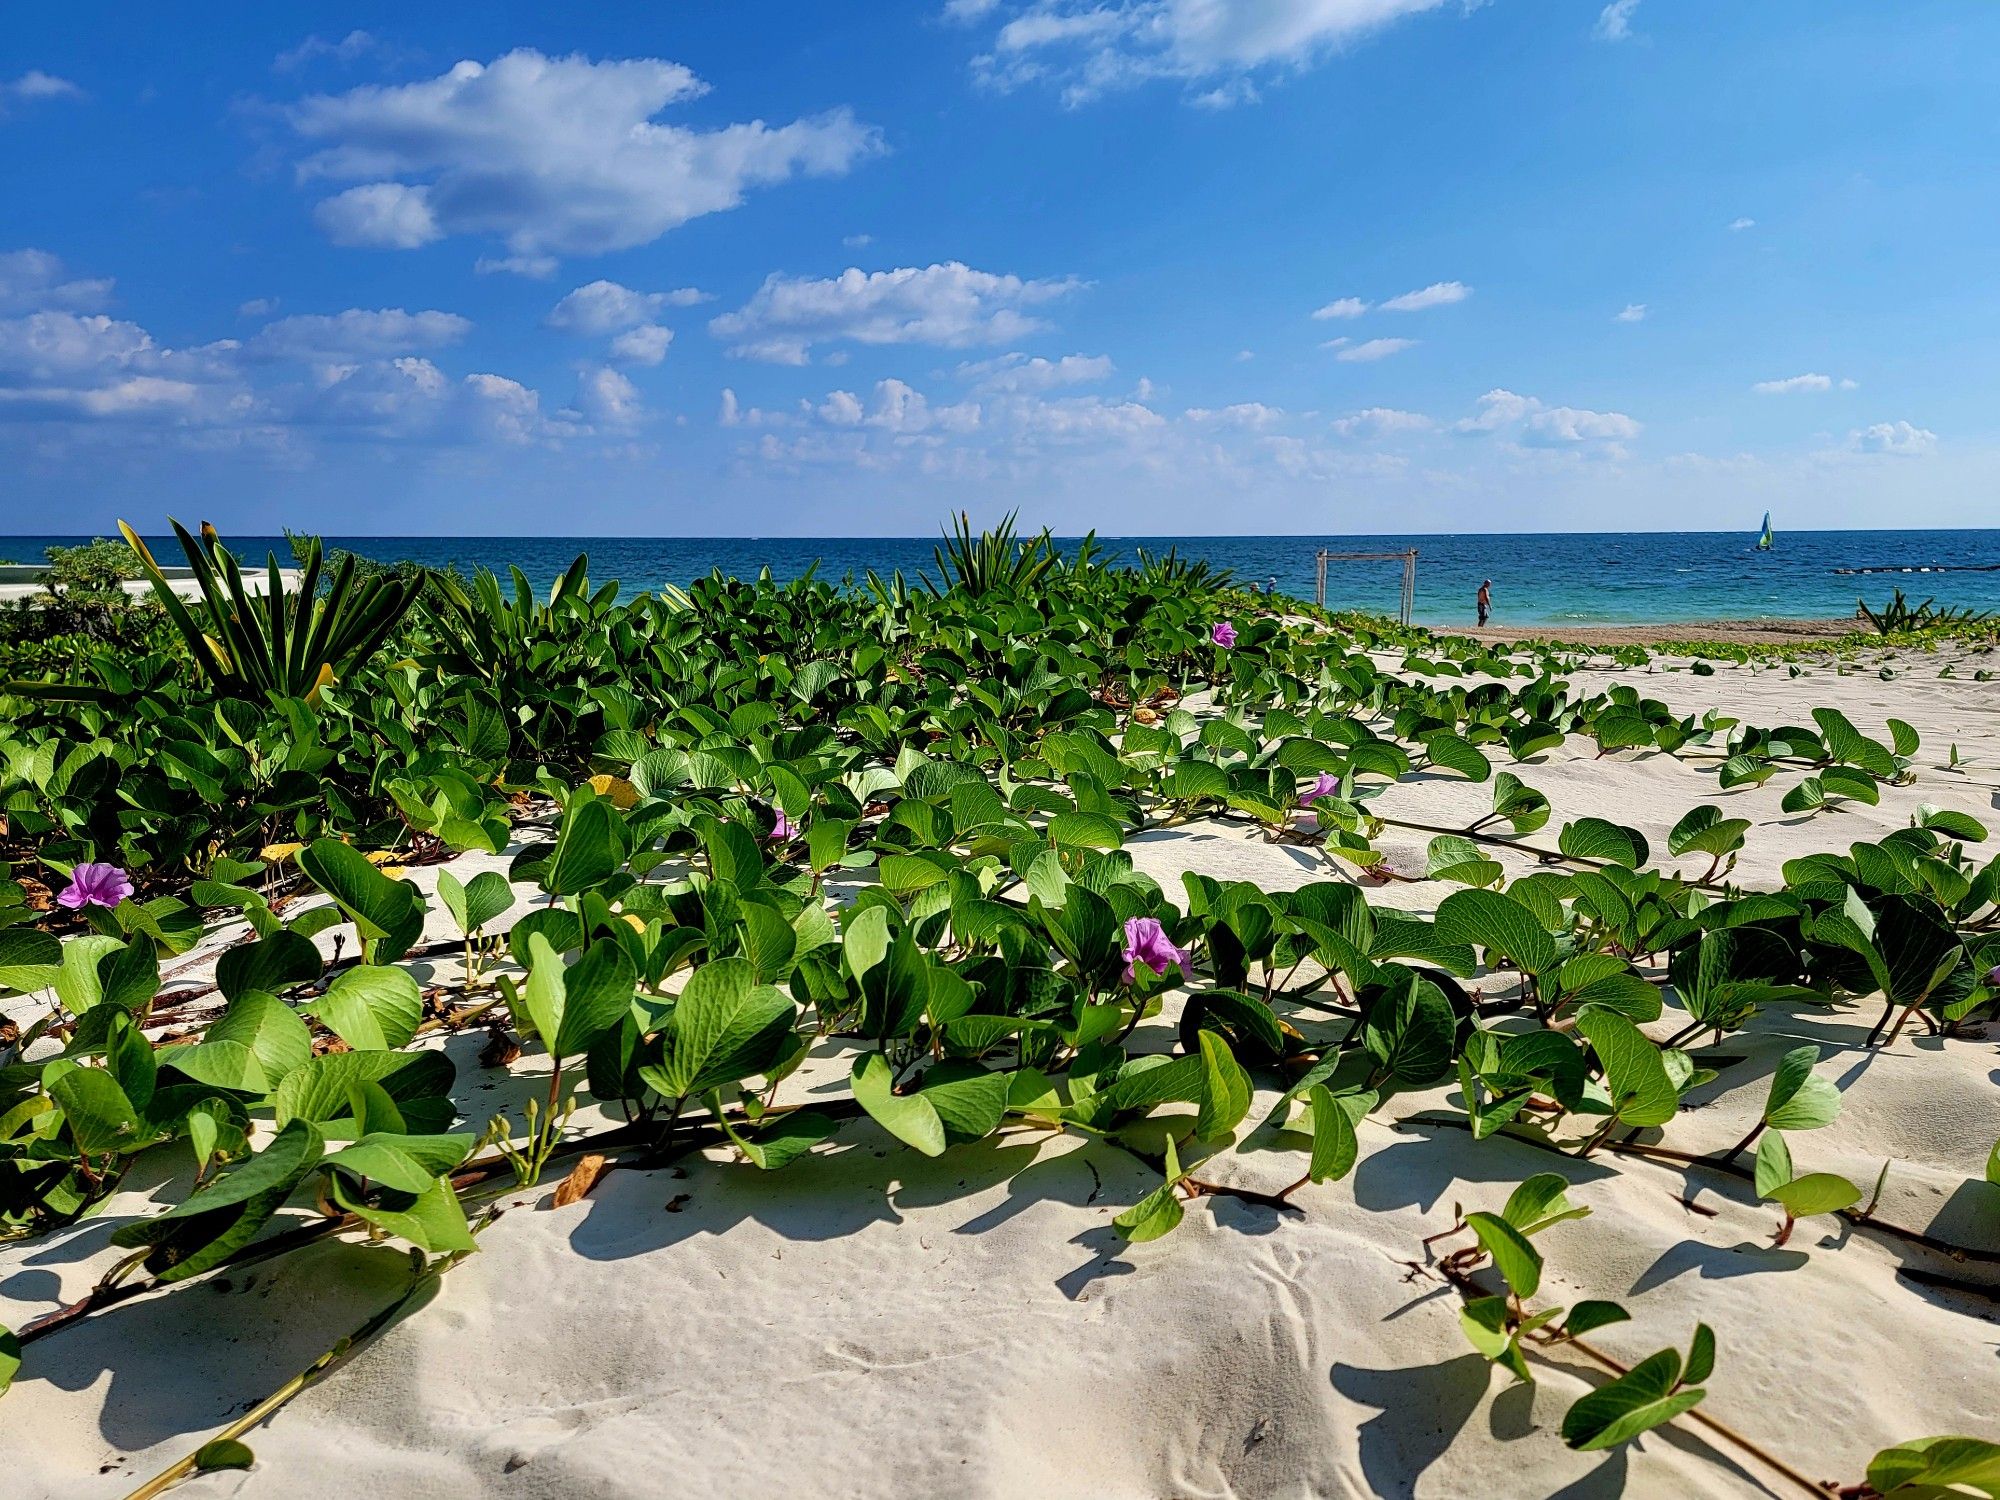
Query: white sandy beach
(888, 1325)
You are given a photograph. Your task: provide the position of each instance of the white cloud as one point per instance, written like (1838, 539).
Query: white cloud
(1614, 22)
(257, 307)
(644, 345)
(1341, 307)
(380, 215)
(33, 281)
(857, 241)
(950, 305)
(605, 307)
(1535, 424)
(350, 48)
(1382, 421)
(1244, 356)
(551, 155)
(1252, 415)
(1899, 438)
(35, 85)
(968, 10)
(605, 398)
(534, 267)
(53, 346)
(1635, 312)
(1374, 349)
(1088, 47)
(901, 409)
(89, 382)
(1437, 294)
(1793, 384)
(1737, 226)
(841, 409)
(358, 333)
(1017, 372)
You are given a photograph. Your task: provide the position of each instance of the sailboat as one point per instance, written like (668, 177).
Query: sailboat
(1764, 541)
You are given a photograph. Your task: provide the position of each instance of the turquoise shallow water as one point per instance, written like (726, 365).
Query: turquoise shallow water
(1599, 578)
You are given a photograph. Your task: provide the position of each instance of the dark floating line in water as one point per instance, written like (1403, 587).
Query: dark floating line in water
(1922, 568)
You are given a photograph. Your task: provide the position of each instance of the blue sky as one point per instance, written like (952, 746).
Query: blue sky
(1149, 266)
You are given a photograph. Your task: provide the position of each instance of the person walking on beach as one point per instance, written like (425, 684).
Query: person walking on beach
(1485, 600)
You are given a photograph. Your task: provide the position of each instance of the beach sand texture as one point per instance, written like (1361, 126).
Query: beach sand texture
(879, 1324)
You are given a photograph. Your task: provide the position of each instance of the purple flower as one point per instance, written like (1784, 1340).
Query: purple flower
(1146, 942)
(783, 831)
(1223, 634)
(1993, 978)
(95, 885)
(1328, 785)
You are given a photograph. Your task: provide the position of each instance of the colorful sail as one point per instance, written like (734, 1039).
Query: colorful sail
(1764, 541)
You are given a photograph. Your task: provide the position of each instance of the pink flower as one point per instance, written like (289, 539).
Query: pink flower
(1993, 977)
(95, 885)
(1223, 634)
(783, 831)
(1328, 785)
(1146, 942)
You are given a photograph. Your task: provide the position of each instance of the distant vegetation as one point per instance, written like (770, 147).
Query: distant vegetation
(746, 820)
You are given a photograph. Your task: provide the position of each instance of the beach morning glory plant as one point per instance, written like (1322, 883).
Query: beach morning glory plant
(1223, 634)
(95, 885)
(1328, 785)
(1146, 942)
(783, 830)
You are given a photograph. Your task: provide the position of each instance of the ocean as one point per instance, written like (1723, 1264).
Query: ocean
(1597, 578)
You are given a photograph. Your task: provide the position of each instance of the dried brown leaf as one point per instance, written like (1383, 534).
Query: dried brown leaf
(582, 1178)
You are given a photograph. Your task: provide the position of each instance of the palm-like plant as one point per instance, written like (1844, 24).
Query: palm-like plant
(983, 562)
(290, 644)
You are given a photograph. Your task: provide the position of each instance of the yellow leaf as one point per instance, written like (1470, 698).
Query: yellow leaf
(324, 680)
(277, 853)
(621, 792)
(633, 918)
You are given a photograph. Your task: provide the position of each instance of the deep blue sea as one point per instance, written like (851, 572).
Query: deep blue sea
(1539, 579)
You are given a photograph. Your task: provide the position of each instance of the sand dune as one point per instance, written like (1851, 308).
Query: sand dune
(880, 1324)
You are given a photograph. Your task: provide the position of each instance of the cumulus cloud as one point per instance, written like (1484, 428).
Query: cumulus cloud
(1382, 421)
(381, 215)
(605, 398)
(34, 86)
(357, 333)
(606, 307)
(950, 305)
(1341, 307)
(1086, 48)
(1737, 226)
(1902, 439)
(1018, 372)
(1533, 423)
(1437, 294)
(1793, 384)
(350, 48)
(534, 267)
(1253, 415)
(644, 345)
(87, 379)
(550, 155)
(1373, 349)
(1614, 22)
(34, 280)
(1634, 312)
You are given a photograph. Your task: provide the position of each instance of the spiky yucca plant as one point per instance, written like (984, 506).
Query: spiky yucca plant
(986, 561)
(290, 644)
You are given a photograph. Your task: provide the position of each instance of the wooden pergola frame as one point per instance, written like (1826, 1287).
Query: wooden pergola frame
(1407, 558)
